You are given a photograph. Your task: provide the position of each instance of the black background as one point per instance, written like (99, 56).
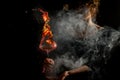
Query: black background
(22, 35)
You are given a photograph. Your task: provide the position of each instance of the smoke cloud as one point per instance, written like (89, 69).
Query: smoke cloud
(78, 43)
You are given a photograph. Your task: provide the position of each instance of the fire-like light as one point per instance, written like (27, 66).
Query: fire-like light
(91, 13)
(47, 43)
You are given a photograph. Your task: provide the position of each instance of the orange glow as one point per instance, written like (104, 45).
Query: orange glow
(45, 15)
(91, 14)
(46, 44)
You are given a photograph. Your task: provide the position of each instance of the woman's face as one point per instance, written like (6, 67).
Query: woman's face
(49, 61)
(48, 68)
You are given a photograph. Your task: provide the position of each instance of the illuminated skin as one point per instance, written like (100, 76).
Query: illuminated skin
(92, 11)
(83, 68)
(49, 61)
(48, 66)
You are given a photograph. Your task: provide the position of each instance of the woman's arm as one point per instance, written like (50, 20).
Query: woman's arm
(83, 68)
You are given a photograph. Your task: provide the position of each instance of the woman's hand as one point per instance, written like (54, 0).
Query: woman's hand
(83, 68)
(63, 75)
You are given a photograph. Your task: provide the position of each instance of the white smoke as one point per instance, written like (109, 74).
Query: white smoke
(70, 27)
